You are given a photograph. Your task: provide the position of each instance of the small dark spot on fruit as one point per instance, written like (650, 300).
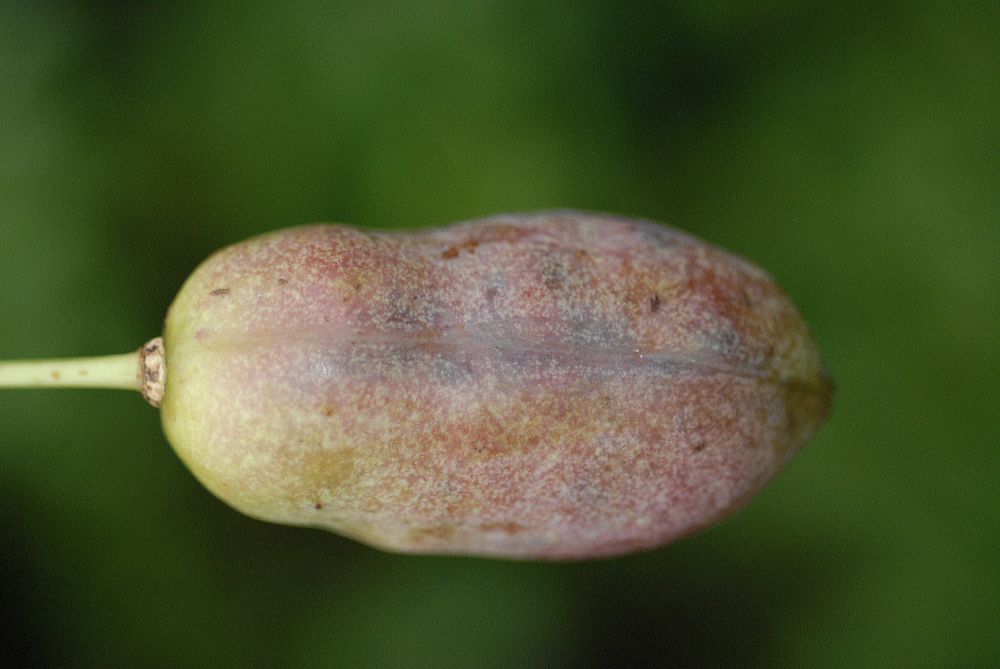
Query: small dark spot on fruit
(220, 292)
(698, 446)
(55, 375)
(553, 274)
(317, 506)
(654, 304)
(356, 285)
(282, 282)
(746, 297)
(449, 253)
(82, 372)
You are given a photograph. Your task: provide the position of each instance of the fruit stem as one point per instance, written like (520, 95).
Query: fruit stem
(141, 370)
(109, 371)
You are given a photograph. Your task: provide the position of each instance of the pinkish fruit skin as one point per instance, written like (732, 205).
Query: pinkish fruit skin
(556, 385)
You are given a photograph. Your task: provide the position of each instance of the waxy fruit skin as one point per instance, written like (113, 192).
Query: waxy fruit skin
(553, 385)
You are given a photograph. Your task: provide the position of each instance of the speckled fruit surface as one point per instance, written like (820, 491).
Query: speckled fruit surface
(554, 385)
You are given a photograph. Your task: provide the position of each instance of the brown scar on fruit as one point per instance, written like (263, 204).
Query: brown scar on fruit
(469, 246)
(487, 234)
(219, 292)
(439, 533)
(509, 528)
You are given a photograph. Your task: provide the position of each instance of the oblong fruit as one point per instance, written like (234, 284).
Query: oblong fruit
(556, 385)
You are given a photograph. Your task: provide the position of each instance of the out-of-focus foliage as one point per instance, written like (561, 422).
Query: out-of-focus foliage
(853, 149)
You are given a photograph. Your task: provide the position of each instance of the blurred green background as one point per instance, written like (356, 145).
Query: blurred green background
(854, 151)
